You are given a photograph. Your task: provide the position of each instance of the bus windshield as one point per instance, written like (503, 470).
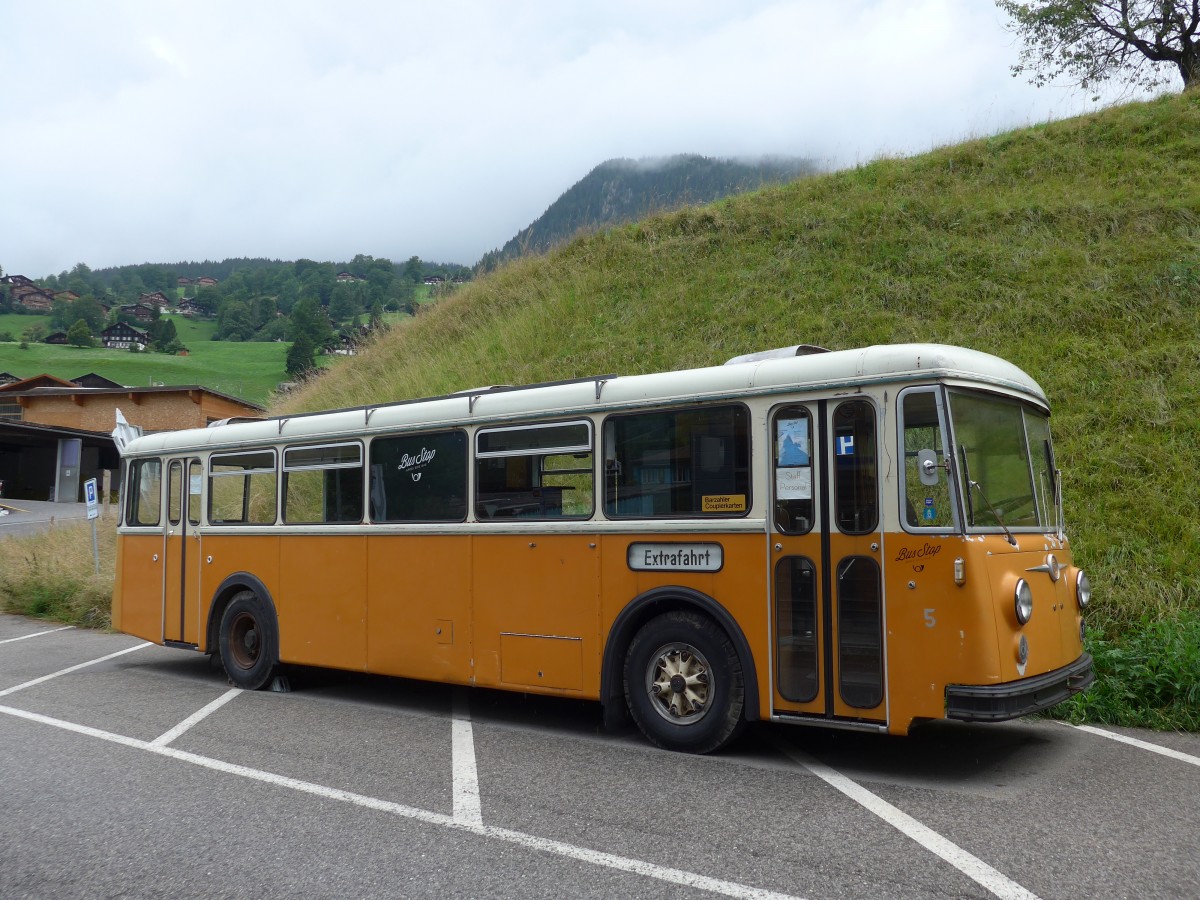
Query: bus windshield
(1005, 462)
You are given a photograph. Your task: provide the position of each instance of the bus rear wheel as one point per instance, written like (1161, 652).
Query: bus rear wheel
(683, 683)
(247, 641)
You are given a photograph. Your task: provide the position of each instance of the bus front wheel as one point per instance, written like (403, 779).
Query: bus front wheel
(683, 683)
(247, 640)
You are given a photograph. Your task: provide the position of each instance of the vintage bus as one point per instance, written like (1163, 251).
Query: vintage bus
(861, 539)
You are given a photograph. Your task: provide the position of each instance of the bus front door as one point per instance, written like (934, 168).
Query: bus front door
(181, 588)
(827, 594)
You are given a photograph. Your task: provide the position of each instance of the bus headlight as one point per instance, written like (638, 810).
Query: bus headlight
(1083, 589)
(1023, 601)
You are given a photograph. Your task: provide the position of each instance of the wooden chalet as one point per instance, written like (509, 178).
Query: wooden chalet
(157, 298)
(123, 336)
(59, 337)
(34, 299)
(92, 380)
(143, 312)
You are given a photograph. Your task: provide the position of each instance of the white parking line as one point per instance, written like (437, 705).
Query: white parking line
(26, 637)
(971, 866)
(198, 716)
(1134, 742)
(69, 670)
(467, 810)
(529, 841)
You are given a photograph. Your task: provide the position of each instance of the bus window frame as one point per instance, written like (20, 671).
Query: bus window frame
(467, 444)
(941, 403)
(132, 478)
(209, 474)
(692, 516)
(840, 471)
(960, 475)
(285, 470)
(539, 455)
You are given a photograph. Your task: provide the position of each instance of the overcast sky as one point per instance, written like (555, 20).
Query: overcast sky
(164, 131)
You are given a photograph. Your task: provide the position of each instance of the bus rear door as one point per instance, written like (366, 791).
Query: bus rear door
(181, 588)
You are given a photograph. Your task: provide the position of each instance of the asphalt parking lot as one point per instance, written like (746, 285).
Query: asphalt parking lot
(133, 770)
(18, 517)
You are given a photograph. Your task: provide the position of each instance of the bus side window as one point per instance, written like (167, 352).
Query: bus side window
(241, 488)
(323, 485)
(687, 462)
(856, 495)
(145, 498)
(793, 470)
(534, 472)
(419, 478)
(924, 506)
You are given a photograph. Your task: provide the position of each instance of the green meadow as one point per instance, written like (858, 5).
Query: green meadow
(249, 371)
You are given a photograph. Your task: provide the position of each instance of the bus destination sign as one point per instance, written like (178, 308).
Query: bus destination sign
(676, 557)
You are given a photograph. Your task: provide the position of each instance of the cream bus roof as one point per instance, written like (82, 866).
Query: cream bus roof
(835, 370)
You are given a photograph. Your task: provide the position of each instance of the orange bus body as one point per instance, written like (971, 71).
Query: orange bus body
(553, 604)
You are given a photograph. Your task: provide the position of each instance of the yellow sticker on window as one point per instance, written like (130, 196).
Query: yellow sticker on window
(723, 503)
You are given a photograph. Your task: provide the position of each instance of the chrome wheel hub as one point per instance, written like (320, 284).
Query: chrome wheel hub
(679, 683)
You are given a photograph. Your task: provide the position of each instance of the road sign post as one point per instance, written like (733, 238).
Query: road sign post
(89, 494)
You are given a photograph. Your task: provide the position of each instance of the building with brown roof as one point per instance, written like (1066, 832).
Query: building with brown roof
(156, 408)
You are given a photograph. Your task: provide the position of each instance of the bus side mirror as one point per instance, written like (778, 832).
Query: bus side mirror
(927, 467)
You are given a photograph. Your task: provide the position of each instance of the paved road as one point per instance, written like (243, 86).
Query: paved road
(19, 517)
(136, 771)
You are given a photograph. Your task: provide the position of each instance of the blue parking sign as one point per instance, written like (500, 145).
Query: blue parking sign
(89, 494)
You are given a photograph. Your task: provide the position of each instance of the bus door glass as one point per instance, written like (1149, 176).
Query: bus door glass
(181, 596)
(827, 598)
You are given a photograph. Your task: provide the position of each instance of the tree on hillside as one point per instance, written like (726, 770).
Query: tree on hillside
(300, 357)
(1094, 41)
(309, 319)
(79, 335)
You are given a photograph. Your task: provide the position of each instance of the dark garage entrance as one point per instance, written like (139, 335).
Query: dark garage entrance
(39, 462)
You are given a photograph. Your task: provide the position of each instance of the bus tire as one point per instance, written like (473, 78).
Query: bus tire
(684, 684)
(248, 642)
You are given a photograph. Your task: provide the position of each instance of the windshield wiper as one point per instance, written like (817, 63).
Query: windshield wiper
(970, 507)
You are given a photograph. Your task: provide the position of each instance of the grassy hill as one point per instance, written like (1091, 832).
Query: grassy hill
(1072, 249)
(249, 371)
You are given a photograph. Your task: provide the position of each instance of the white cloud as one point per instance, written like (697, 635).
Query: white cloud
(143, 131)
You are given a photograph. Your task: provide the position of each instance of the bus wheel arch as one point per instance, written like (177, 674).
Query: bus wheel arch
(646, 608)
(243, 630)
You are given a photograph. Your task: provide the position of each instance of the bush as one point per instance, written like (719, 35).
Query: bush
(1147, 678)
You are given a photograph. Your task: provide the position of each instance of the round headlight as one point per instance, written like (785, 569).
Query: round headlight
(1083, 589)
(1023, 601)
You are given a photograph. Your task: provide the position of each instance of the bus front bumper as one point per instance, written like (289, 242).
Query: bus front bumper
(998, 702)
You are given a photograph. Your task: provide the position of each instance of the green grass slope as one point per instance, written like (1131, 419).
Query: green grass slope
(249, 371)
(1072, 249)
